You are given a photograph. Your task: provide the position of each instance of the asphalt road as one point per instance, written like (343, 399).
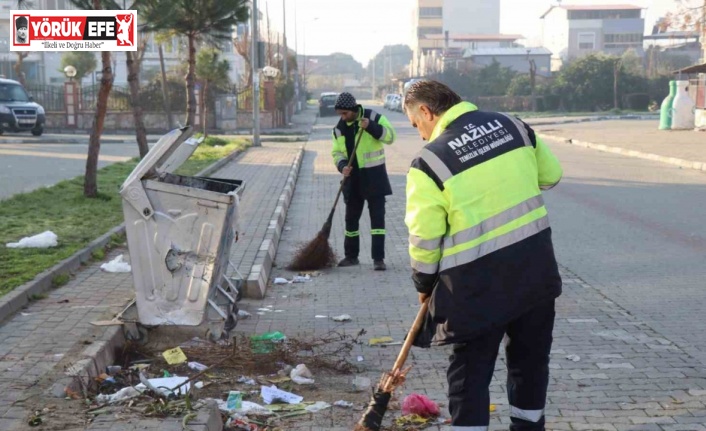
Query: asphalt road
(633, 228)
(25, 167)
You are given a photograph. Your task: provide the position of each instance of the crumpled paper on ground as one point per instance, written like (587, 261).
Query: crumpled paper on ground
(43, 240)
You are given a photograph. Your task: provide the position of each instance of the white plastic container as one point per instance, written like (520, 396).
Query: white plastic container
(683, 108)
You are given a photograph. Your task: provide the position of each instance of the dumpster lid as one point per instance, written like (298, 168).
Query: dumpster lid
(170, 152)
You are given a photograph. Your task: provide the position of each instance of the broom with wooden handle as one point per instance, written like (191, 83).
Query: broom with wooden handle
(372, 418)
(318, 253)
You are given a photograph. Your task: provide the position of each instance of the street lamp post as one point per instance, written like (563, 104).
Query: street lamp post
(255, 77)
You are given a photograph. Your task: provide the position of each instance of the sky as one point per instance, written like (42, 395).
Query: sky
(362, 27)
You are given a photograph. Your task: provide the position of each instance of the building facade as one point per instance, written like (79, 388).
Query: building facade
(434, 19)
(571, 31)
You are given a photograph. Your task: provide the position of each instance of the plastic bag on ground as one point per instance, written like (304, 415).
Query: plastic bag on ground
(301, 375)
(418, 404)
(117, 265)
(122, 394)
(43, 240)
(317, 407)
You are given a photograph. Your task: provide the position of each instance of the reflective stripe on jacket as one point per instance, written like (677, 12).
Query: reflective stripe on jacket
(479, 232)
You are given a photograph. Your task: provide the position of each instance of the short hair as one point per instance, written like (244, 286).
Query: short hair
(435, 95)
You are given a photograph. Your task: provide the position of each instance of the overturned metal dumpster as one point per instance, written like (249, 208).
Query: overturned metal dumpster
(180, 230)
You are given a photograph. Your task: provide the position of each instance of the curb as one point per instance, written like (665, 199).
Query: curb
(682, 163)
(256, 283)
(19, 297)
(550, 122)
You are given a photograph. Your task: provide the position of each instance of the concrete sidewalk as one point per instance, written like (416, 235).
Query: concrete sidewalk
(53, 333)
(684, 148)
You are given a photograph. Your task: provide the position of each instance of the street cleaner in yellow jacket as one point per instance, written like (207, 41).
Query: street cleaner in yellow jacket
(481, 251)
(367, 176)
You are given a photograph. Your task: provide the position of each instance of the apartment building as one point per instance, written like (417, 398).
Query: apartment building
(434, 20)
(572, 31)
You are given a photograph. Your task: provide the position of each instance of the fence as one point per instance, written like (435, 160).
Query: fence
(51, 97)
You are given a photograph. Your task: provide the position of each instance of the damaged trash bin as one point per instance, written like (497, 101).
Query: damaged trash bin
(180, 230)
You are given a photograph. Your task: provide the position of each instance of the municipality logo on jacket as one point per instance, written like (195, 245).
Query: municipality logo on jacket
(73, 30)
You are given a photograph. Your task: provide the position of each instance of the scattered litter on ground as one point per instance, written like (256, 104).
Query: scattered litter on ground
(264, 310)
(361, 384)
(411, 420)
(260, 313)
(174, 356)
(113, 369)
(492, 408)
(272, 393)
(234, 400)
(301, 375)
(199, 385)
(421, 405)
(43, 240)
(575, 358)
(341, 318)
(361, 359)
(319, 316)
(280, 280)
(301, 279)
(344, 404)
(121, 395)
(246, 381)
(25, 314)
(263, 343)
(117, 265)
(243, 314)
(317, 407)
(197, 366)
(380, 340)
(63, 301)
(165, 385)
(279, 311)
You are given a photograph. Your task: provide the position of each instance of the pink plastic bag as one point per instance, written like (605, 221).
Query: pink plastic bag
(418, 404)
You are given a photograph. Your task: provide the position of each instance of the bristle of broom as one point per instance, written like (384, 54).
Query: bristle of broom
(315, 255)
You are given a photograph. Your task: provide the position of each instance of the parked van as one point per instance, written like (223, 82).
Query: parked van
(18, 111)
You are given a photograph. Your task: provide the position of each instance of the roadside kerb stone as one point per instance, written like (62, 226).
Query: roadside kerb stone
(256, 283)
(19, 297)
(685, 164)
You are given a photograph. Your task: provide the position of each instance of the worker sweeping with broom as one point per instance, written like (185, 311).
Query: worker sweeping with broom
(482, 257)
(365, 172)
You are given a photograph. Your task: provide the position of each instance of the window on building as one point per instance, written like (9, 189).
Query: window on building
(604, 14)
(430, 12)
(51, 4)
(587, 40)
(423, 31)
(622, 39)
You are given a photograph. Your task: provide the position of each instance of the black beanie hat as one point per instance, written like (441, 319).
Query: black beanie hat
(346, 102)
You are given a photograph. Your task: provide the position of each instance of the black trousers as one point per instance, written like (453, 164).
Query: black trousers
(354, 210)
(527, 348)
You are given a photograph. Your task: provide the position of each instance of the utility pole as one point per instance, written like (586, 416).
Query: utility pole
(286, 60)
(255, 77)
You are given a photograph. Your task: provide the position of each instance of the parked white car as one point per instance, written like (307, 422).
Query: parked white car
(388, 100)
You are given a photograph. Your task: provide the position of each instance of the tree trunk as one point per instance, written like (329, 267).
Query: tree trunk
(90, 185)
(133, 79)
(533, 83)
(616, 73)
(20, 74)
(165, 92)
(190, 83)
(204, 107)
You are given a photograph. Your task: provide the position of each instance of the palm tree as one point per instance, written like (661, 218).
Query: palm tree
(198, 21)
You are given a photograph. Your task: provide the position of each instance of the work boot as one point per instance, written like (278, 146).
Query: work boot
(349, 261)
(379, 265)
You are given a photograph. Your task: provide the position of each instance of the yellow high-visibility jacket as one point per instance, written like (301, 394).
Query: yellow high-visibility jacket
(480, 241)
(369, 177)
